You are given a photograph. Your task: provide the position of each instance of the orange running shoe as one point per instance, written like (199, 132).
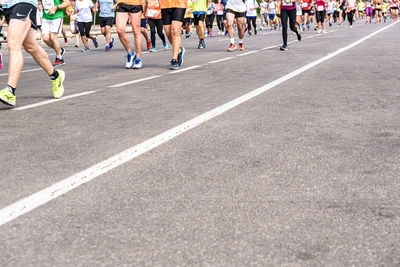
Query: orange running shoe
(231, 48)
(241, 47)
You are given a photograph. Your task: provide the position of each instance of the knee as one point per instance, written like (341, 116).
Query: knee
(45, 38)
(120, 30)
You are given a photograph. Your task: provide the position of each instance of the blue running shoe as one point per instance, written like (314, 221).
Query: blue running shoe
(138, 63)
(112, 43)
(130, 60)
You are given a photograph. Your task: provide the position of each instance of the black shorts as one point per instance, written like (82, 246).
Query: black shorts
(378, 10)
(308, 12)
(106, 21)
(25, 10)
(187, 21)
(170, 14)
(320, 17)
(237, 14)
(198, 17)
(122, 7)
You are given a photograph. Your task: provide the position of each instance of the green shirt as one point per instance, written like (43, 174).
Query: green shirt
(48, 4)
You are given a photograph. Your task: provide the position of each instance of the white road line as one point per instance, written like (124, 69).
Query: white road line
(220, 60)
(33, 201)
(135, 81)
(4, 74)
(269, 47)
(247, 53)
(223, 40)
(54, 100)
(185, 69)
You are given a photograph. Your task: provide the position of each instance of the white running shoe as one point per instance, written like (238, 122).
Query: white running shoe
(324, 31)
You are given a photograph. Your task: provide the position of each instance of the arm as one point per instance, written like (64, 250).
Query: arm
(64, 5)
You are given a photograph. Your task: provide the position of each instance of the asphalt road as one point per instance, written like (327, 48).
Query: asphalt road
(306, 173)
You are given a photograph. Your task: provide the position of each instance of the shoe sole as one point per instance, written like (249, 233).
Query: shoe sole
(231, 50)
(7, 102)
(183, 53)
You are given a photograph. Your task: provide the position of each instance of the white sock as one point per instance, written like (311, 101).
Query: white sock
(240, 41)
(232, 40)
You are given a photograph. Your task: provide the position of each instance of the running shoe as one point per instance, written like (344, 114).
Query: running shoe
(180, 56)
(76, 44)
(319, 31)
(62, 51)
(255, 31)
(165, 46)
(130, 60)
(226, 33)
(138, 63)
(1, 61)
(324, 31)
(200, 46)
(241, 47)
(298, 34)
(58, 87)
(231, 48)
(85, 49)
(107, 49)
(65, 41)
(187, 36)
(173, 66)
(148, 45)
(96, 44)
(7, 97)
(112, 43)
(153, 49)
(59, 62)
(283, 48)
(203, 43)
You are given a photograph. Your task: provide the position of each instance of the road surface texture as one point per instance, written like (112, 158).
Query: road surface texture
(306, 173)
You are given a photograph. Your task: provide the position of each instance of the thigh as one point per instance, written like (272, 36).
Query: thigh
(88, 25)
(122, 19)
(135, 20)
(17, 32)
(230, 17)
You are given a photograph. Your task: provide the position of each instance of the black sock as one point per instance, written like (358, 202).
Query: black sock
(54, 75)
(12, 89)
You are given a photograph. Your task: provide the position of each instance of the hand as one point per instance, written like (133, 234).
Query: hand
(53, 10)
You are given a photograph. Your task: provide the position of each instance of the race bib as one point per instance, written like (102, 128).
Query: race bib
(320, 8)
(304, 5)
(220, 12)
(284, 3)
(368, 5)
(47, 4)
(209, 12)
(153, 13)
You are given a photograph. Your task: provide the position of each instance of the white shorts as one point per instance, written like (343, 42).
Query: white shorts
(54, 25)
(298, 10)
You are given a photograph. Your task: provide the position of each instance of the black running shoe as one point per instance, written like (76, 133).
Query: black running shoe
(298, 34)
(174, 65)
(283, 48)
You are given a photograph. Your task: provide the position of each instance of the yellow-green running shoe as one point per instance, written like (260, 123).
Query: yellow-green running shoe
(7, 97)
(58, 87)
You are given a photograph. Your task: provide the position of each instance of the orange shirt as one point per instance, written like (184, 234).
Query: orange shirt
(174, 3)
(153, 9)
(131, 2)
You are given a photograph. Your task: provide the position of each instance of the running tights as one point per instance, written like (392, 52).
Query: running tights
(350, 17)
(285, 14)
(252, 20)
(210, 20)
(156, 23)
(220, 22)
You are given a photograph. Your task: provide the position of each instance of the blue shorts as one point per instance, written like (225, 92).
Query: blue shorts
(143, 23)
(271, 16)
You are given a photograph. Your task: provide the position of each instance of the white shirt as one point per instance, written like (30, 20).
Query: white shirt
(263, 7)
(250, 4)
(271, 8)
(236, 5)
(84, 10)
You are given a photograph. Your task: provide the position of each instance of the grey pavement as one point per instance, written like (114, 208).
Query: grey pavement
(305, 174)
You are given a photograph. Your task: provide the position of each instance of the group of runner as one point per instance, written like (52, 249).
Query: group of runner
(163, 16)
